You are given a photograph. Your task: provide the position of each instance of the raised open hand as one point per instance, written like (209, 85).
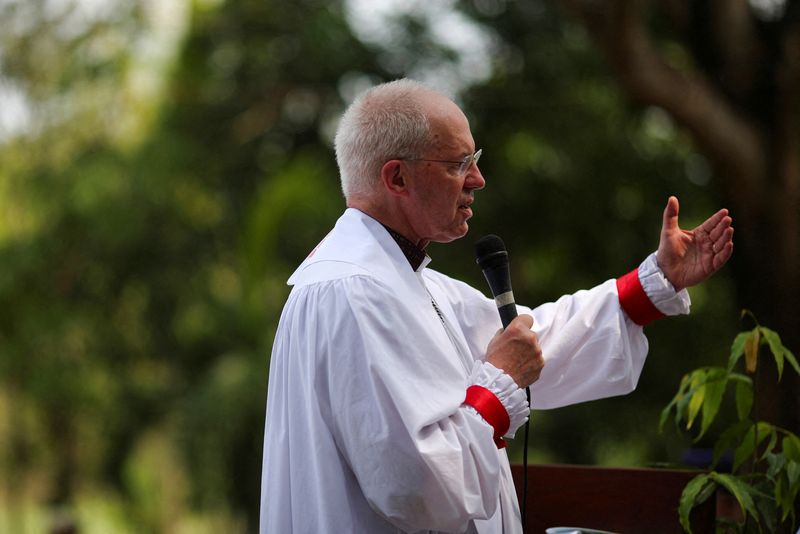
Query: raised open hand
(689, 257)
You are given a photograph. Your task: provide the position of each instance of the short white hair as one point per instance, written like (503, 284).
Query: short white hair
(385, 122)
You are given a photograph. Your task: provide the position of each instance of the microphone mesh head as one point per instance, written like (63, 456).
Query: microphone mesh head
(490, 251)
(488, 244)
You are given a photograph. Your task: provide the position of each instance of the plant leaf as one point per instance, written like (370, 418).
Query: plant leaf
(730, 436)
(737, 349)
(745, 448)
(744, 399)
(751, 350)
(791, 447)
(776, 463)
(765, 429)
(690, 497)
(787, 488)
(776, 347)
(697, 394)
(742, 491)
(676, 403)
(791, 359)
(750, 442)
(793, 472)
(716, 382)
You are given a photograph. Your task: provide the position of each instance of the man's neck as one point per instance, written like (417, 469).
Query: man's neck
(389, 216)
(412, 252)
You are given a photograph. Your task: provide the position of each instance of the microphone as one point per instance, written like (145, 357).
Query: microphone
(492, 258)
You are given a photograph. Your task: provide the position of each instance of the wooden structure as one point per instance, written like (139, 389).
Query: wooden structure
(621, 500)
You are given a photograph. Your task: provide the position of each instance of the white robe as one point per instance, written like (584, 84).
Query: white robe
(365, 427)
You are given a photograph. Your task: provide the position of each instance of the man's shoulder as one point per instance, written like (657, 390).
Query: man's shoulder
(326, 270)
(448, 283)
(357, 246)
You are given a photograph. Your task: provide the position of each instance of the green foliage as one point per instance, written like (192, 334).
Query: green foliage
(766, 462)
(747, 344)
(177, 167)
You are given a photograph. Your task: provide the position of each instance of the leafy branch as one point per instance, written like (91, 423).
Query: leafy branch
(768, 492)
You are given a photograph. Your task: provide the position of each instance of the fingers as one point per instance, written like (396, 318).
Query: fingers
(723, 255)
(720, 237)
(720, 234)
(524, 320)
(671, 211)
(723, 248)
(719, 220)
(516, 351)
(718, 230)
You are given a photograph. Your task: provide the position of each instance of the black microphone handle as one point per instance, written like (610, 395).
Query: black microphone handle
(507, 313)
(499, 278)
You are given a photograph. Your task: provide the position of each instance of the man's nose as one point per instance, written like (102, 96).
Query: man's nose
(474, 179)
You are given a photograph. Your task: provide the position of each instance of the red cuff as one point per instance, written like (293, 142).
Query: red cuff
(491, 409)
(635, 301)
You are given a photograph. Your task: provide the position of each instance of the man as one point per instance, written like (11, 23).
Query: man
(390, 387)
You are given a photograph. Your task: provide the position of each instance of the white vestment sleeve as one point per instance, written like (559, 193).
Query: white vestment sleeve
(506, 390)
(421, 458)
(660, 291)
(591, 348)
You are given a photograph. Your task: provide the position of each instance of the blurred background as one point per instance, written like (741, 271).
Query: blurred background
(165, 164)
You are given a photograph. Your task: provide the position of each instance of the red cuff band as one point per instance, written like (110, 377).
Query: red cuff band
(635, 301)
(491, 409)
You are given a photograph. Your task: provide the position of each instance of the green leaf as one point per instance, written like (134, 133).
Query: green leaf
(742, 491)
(791, 447)
(696, 394)
(675, 403)
(691, 497)
(755, 435)
(787, 488)
(716, 382)
(744, 399)
(752, 440)
(769, 430)
(751, 345)
(776, 463)
(776, 347)
(737, 349)
(793, 472)
(782, 494)
(729, 437)
(791, 359)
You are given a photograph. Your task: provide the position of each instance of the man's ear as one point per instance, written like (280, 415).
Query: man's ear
(393, 177)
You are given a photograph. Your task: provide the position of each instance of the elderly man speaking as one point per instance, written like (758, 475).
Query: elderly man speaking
(391, 387)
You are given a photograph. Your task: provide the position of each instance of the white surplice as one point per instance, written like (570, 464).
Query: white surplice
(365, 427)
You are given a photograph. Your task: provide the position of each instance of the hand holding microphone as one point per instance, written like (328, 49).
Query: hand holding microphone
(515, 349)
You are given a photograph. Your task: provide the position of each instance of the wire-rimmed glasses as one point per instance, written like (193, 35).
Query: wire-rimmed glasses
(463, 164)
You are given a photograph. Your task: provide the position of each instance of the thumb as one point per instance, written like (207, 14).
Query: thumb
(525, 319)
(670, 220)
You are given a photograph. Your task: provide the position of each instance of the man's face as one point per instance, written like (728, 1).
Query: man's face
(441, 195)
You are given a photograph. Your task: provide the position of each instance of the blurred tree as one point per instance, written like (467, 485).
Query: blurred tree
(159, 203)
(177, 165)
(729, 73)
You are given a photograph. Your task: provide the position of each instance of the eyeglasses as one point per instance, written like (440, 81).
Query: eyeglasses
(463, 164)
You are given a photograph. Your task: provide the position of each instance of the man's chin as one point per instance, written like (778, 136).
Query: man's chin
(457, 234)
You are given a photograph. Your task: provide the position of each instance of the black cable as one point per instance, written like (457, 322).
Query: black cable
(524, 504)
